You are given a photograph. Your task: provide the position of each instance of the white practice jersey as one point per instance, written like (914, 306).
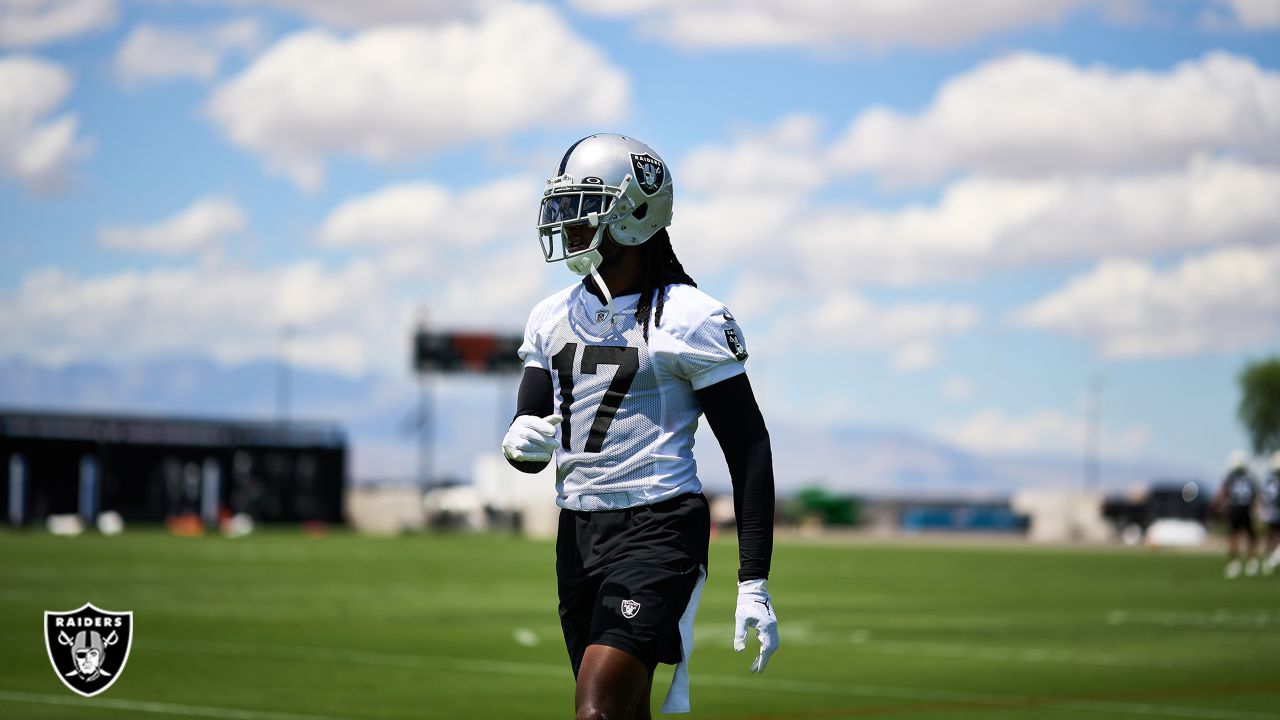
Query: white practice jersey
(629, 407)
(1271, 497)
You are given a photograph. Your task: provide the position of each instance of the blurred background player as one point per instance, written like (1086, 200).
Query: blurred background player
(1271, 513)
(1236, 498)
(618, 368)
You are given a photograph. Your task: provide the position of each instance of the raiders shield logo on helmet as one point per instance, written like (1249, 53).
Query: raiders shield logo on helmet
(649, 172)
(88, 647)
(630, 608)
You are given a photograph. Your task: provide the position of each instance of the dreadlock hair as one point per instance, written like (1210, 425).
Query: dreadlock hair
(661, 268)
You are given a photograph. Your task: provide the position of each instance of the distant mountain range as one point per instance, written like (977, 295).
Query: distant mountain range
(469, 414)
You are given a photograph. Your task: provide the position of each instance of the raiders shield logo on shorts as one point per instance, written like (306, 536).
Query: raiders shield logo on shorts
(88, 646)
(630, 608)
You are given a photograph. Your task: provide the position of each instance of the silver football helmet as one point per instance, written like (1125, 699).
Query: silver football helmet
(604, 182)
(1237, 460)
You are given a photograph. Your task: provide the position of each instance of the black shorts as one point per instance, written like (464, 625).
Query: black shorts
(1240, 519)
(625, 576)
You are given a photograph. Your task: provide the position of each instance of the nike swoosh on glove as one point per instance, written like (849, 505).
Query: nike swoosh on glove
(531, 438)
(755, 610)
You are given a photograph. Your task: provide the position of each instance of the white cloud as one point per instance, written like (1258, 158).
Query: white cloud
(908, 332)
(1217, 302)
(918, 355)
(810, 23)
(1028, 115)
(231, 314)
(353, 319)
(785, 158)
(958, 387)
(199, 227)
(394, 93)
(756, 197)
(373, 13)
(743, 198)
(1254, 14)
(755, 293)
(1039, 432)
(158, 53)
(34, 147)
(495, 290)
(981, 224)
(751, 227)
(432, 215)
(30, 23)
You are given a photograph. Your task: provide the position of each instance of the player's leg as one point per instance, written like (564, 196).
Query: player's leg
(576, 589)
(1268, 550)
(1273, 546)
(637, 617)
(611, 684)
(1233, 560)
(1251, 566)
(644, 708)
(641, 596)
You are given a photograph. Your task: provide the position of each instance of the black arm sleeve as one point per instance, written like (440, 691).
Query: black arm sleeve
(534, 398)
(731, 410)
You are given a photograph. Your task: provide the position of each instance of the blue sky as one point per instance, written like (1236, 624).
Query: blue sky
(941, 219)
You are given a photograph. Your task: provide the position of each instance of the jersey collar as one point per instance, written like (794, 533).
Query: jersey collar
(670, 278)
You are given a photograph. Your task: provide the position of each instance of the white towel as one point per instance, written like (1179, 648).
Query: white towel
(677, 700)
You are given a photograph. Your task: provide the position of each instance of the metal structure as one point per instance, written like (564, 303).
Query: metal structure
(150, 468)
(451, 353)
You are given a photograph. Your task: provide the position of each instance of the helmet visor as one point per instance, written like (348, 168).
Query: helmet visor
(567, 207)
(564, 226)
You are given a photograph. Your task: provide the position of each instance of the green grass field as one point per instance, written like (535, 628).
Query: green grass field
(279, 626)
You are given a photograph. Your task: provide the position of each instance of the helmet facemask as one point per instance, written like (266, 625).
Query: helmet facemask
(573, 218)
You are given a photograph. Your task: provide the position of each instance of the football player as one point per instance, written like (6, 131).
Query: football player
(1236, 497)
(618, 369)
(1271, 513)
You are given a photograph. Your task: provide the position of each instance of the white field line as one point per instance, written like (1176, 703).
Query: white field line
(858, 640)
(1218, 620)
(159, 708)
(732, 682)
(863, 641)
(964, 652)
(364, 657)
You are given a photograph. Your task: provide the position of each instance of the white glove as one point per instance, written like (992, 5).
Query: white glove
(755, 611)
(531, 438)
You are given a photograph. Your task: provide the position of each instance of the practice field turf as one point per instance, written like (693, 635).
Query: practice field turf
(279, 626)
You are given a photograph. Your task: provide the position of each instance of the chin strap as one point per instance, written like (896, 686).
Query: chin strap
(604, 289)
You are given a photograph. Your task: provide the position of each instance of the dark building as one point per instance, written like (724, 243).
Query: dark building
(151, 468)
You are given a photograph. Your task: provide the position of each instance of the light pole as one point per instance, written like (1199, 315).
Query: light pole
(423, 423)
(1092, 432)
